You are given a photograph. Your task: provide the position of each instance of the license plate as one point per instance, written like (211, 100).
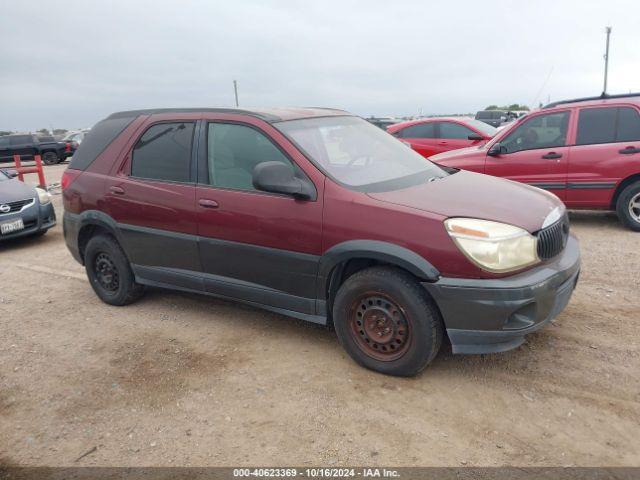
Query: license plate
(10, 227)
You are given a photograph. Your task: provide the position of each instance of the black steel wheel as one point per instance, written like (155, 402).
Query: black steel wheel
(106, 272)
(109, 271)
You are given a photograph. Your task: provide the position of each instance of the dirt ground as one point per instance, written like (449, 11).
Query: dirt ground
(179, 379)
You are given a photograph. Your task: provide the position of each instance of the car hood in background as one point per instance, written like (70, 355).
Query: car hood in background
(14, 190)
(468, 194)
(468, 152)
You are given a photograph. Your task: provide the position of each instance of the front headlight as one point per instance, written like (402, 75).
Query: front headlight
(495, 247)
(43, 196)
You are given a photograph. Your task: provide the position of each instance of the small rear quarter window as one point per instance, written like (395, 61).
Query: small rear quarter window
(96, 140)
(628, 125)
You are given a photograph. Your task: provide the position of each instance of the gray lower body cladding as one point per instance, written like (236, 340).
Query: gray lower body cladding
(489, 316)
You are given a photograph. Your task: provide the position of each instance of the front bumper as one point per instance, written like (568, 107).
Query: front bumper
(36, 218)
(490, 316)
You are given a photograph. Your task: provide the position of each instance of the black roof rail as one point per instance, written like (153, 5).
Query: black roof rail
(603, 96)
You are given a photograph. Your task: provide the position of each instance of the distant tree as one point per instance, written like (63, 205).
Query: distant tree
(513, 106)
(3, 133)
(60, 131)
(43, 131)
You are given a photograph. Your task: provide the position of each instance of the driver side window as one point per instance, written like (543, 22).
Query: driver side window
(234, 150)
(542, 131)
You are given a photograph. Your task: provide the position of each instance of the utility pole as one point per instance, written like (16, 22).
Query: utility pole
(606, 60)
(235, 89)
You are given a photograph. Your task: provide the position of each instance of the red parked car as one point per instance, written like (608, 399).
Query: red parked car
(430, 136)
(585, 151)
(317, 214)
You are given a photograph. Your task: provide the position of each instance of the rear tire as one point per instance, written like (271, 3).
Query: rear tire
(387, 322)
(109, 271)
(50, 158)
(628, 207)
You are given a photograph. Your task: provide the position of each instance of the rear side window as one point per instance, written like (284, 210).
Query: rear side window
(596, 125)
(99, 138)
(454, 131)
(422, 130)
(608, 125)
(164, 152)
(628, 125)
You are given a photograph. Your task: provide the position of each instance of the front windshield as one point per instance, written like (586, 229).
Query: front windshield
(3, 176)
(356, 153)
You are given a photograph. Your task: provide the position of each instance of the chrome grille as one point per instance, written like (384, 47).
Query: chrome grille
(553, 239)
(15, 206)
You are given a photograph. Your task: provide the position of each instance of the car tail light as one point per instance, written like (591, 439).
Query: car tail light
(68, 177)
(67, 147)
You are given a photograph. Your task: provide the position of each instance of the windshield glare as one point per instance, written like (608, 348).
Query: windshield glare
(356, 153)
(483, 127)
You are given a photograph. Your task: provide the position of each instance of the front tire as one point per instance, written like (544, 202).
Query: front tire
(628, 207)
(109, 271)
(387, 322)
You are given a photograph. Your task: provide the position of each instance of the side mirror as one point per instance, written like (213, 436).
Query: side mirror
(496, 150)
(475, 137)
(277, 177)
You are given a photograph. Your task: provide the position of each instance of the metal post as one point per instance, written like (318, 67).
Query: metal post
(18, 163)
(40, 172)
(606, 61)
(235, 89)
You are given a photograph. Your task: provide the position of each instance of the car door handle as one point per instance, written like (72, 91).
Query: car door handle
(116, 190)
(552, 155)
(207, 203)
(443, 143)
(629, 150)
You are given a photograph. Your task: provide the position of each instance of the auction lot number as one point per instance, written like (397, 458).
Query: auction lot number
(293, 472)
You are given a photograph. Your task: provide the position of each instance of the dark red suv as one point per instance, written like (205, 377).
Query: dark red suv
(585, 151)
(317, 214)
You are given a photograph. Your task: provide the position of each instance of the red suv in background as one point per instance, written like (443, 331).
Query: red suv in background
(317, 214)
(430, 136)
(585, 151)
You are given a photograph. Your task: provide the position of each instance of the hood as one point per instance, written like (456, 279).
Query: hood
(14, 190)
(468, 152)
(474, 195)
